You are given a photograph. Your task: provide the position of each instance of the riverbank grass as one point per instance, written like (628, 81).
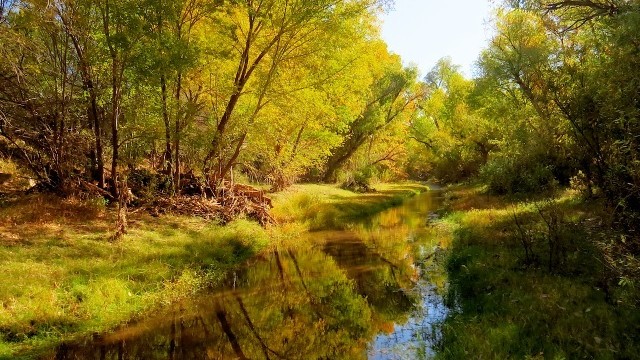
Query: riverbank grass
(525, 281)
(321, 207)
(62, 277)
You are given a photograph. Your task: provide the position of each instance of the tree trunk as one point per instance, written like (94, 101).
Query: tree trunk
(121, 221)
(167, 163)
(340, 156)
(117, 72)
(88, 86)
(99, 157)
(116, 146)
(176, 138)
(115, 116)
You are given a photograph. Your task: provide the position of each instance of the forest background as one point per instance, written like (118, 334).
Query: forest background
(131, 101)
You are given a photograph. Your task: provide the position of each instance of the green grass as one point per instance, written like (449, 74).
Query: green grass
(508, 307)
(329, 207)
(62, 277)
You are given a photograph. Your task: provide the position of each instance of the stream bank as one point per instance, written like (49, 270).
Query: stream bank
(369, 291)
(527, 279)
(63, 279)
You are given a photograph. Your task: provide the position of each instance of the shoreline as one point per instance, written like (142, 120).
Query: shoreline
(518, 269)
(85, 285)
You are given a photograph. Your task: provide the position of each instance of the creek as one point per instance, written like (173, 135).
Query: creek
(369, 292)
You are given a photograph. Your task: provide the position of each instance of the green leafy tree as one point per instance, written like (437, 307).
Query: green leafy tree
(390, 95)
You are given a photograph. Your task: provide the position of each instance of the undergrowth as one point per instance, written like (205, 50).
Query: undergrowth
(527, 279)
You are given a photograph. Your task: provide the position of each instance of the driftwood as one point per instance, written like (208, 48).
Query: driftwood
(237, 200)
(93, 189)
(210, 200)
(226, 203)
(186, 205)
(191, 185)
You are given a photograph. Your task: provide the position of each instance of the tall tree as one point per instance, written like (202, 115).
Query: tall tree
(391, 94)
(267, 34)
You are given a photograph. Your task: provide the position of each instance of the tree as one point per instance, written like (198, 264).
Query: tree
(449, 125)
(391, 94)
(267, 35)
(175, 50)
(39, 99)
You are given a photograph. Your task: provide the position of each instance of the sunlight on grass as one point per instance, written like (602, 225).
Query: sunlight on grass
(61, 275)
(329, 207)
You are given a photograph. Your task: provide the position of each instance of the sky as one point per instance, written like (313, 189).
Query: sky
(424, 31)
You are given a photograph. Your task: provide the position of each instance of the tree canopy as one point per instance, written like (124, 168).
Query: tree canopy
(281, 91)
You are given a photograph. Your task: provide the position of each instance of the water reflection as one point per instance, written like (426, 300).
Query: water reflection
(363, 293)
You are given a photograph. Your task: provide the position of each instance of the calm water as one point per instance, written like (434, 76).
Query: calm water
(369, 292)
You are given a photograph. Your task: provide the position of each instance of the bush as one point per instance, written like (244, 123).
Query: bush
(509, 175)
(147, 185)
(360, 181)
(455, 165)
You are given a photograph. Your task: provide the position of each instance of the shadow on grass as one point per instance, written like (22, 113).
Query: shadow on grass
(28, 220)
(61, 276)
(506, 307)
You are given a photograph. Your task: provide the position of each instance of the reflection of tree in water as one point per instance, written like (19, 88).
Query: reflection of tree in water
(376, 278)
(418, 337)
(323, 303)
(288, 306)
(403, 237)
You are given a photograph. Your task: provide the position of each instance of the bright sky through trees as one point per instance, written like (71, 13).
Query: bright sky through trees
(423, 31)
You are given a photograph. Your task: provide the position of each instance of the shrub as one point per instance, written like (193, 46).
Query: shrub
(509, 175)
(146, 185)
(360, 181)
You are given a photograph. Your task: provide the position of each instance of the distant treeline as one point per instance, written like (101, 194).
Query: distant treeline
(555, 101)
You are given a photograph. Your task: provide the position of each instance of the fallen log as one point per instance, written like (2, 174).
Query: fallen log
(95, 190)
